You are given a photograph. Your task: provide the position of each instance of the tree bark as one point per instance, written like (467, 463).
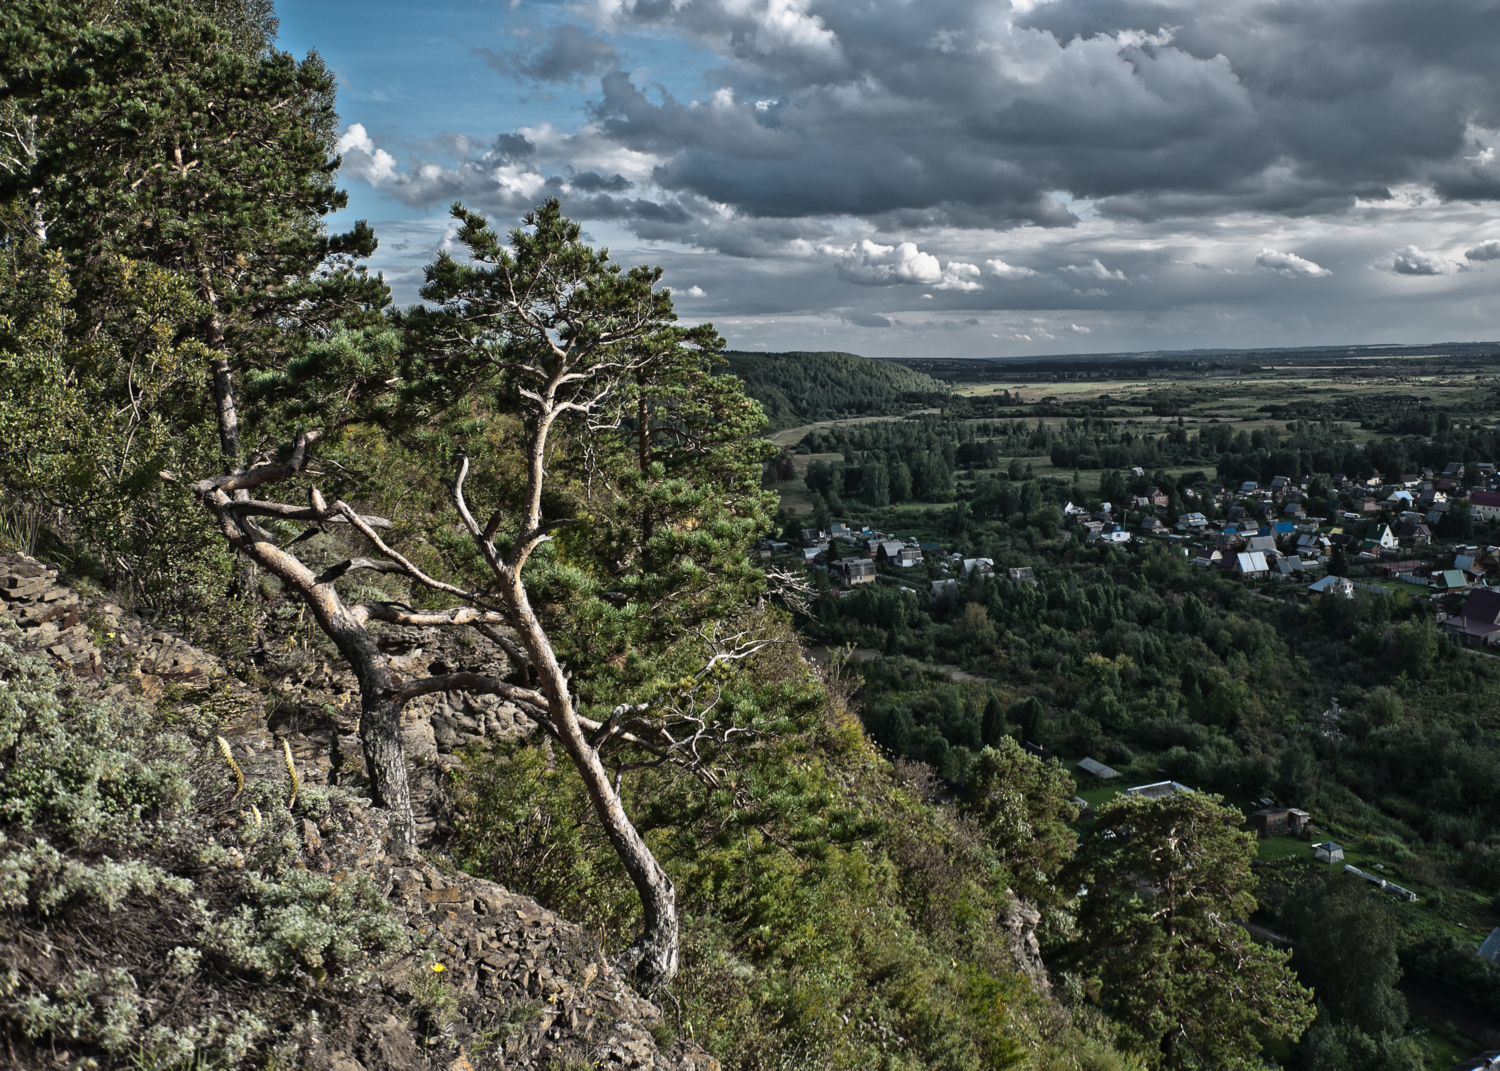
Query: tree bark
(229, 421)
(379, 723)
(380, 707)
(651, 960)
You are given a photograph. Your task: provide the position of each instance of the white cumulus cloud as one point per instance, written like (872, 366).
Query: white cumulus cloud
(1077, 330)
(871, 263)
(784, 24)
(696, 291)
(1008, 271)
(1290, 265)
(362, 160)
(959, 275)
(1412, 261)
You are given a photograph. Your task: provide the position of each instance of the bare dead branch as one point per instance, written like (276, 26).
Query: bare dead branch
(349, 565)
(403, 563)
(397, 614)
(259, 474)
(512, 650)
(256, 508)
(472, 684)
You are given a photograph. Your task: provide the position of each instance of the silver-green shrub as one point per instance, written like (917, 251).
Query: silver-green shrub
(97, 809)
(98, 768)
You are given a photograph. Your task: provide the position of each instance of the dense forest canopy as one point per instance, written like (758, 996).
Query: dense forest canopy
(800, 388)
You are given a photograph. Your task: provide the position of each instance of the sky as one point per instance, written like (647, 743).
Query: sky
(954, 178)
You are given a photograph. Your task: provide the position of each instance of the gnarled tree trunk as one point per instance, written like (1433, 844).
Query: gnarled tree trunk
(652, 958)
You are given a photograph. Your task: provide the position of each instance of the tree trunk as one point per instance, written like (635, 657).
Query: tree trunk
(385, 761)
(643, 440)
(379, 720)
(379, 711)
(651, 960)
(229, 421)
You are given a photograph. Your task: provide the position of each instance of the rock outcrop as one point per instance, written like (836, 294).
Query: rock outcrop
(494, 980)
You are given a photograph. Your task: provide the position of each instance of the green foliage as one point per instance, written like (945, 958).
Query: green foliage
(525, 819)
(40, 877)
(100, 394)
(158, 139)
(1344, 1047)
(1164, 880)
(1024, 807)
(1451, 961)
(162, 233)
(435, 998)
(800, 388)
(657, 514)
(1347, 939)
(78, 1005)
(831, 917)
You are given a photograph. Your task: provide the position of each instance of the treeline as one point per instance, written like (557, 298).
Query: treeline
(933, 447)
(801, 387)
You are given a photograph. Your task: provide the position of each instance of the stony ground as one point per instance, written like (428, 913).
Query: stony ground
(494, 980)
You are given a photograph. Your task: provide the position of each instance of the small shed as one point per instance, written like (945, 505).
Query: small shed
(1328, 852)
(1098, 769)
(1157, 790)
(1272, 821)
(1279, 821)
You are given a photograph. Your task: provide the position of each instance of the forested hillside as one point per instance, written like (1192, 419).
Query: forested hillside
(800, 388)
(474, 579)
(1149, 656)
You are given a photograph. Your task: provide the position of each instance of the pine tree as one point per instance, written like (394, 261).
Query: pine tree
(154, 134)
(1165, 879)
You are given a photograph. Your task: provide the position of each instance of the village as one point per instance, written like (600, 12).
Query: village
(1375, 535)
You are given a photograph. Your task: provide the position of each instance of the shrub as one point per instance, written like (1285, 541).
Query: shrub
(104, 854)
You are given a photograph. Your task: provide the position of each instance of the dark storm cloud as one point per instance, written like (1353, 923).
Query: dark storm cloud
(1489, 250)
(513, 147)
(943, 113)
(593, 182)
(570, 54)
(969, 116)
(1345, 95)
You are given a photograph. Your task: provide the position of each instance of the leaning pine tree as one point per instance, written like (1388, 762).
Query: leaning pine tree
(634, 458)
